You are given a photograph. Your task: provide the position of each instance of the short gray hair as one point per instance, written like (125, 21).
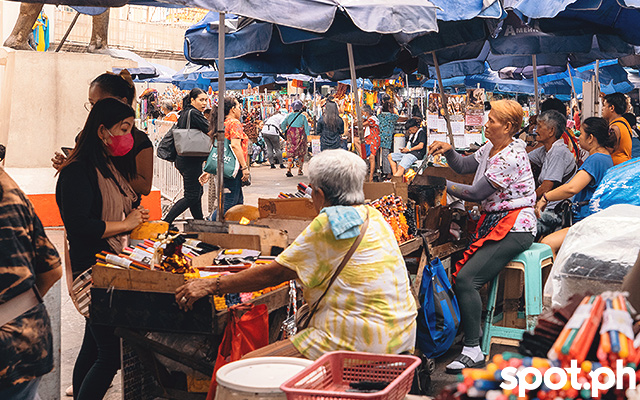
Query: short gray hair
(168, 104)
(340, 174)
(555, 120)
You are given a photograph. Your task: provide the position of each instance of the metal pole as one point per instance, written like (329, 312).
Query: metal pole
(535, 82)
(597, 88)
(356, 99)
(443, 97)
(66, 34)
(221, 90)
(573, 88)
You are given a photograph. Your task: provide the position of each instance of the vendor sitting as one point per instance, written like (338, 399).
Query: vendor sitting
(555, 162)
(369, 307)
(413, 151)
(505, 187)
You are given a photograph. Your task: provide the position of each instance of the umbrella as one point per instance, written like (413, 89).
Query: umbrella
(617, 17)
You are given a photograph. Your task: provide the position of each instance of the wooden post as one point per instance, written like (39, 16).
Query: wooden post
(356, 99)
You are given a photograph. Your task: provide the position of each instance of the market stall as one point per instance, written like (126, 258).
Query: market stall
(169, 351)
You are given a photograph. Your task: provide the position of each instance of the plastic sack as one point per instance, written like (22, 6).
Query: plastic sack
(620, 185)
(596, 254)
(241, 336)
(439, 316)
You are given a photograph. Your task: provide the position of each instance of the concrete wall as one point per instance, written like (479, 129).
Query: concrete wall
(41, 101)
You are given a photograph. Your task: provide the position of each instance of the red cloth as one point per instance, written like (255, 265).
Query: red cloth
(241, 336)
(496, 234)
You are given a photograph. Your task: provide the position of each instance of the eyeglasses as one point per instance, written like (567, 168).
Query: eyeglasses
(88, 106)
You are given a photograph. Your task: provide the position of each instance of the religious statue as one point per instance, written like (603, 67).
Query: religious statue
(29, 12)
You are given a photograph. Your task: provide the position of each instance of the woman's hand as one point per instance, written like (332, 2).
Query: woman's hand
(204, 178)
(57, 160)
(245, 175)
(192, 291)
(136, 217)
(437, 148)
(540, 206)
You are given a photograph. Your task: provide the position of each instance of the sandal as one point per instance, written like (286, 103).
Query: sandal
(467, 362)
(300, 173)
(289, 174)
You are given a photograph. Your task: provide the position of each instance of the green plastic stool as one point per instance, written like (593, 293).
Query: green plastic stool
(530, 263)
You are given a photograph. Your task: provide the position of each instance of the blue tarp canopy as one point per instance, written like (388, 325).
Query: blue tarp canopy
(203, 77)
(616, 17)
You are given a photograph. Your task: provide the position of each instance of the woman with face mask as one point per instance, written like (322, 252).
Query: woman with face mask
(96, 204)
(135, 164)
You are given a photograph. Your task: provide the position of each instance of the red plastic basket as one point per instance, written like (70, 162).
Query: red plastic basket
(329, 377)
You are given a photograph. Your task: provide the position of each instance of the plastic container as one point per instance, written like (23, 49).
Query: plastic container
(257, 378)
(332, 375)
(399, 142)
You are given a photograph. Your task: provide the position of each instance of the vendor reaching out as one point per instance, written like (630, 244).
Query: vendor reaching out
(505, 188)
(369, 306)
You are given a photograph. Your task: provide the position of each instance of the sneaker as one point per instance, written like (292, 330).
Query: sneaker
(289, 174)
(273, 166)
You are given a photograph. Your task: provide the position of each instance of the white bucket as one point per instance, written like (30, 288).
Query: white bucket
(398, 142)
(257, 378)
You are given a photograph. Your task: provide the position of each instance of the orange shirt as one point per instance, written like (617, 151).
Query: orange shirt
(623, 152)
(233, 129)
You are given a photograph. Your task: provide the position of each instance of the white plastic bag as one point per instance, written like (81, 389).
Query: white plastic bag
(596, 254)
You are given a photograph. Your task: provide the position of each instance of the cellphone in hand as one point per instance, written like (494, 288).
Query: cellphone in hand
(66, 151)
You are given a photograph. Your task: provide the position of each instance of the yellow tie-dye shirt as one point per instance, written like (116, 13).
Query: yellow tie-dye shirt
(369, 307)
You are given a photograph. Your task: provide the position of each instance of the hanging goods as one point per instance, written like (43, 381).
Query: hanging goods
(231, 164)
(191, 142)
(439, 315)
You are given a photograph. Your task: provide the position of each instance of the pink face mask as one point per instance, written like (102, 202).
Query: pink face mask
(120, 145)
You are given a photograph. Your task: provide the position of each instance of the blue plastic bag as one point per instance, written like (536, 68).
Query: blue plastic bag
(620, 185)
(439, 318)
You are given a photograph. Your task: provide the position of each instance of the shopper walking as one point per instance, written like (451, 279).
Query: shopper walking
(296, 129)
(271, 133)
(330, 127)
(191, 167)
(240, 147)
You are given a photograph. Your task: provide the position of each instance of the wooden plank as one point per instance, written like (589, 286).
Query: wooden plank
(269, 238)
(292, 227)
(410, 246)
(130, 279)
(447, 249)
(231, 241)
(293, 208)
(274, 300)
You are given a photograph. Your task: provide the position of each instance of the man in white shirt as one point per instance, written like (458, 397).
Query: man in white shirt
(271, 134)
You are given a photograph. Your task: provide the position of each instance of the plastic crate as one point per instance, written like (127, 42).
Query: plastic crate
(329, 377)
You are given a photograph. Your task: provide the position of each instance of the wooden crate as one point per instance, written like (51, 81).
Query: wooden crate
(295, 208)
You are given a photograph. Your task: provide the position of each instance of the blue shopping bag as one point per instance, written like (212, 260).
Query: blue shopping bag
(439, 317)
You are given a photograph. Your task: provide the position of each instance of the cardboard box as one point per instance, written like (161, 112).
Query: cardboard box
(375, 190)
(272, 241)
(297, 208)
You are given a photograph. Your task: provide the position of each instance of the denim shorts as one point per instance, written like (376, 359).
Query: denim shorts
(404, 160)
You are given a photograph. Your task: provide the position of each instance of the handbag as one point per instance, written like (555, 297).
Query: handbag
(231, 164)
(79, 288)
(191, 142)
(242, 335)
(167, 148)
(306, 312)
(439, 315)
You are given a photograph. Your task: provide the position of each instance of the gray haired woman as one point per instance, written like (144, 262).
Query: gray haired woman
(369, 306)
